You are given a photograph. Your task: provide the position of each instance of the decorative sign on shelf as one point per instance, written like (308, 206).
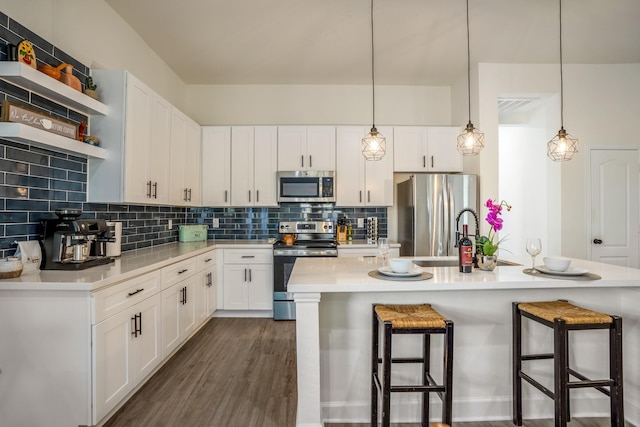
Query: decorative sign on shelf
(17, 113)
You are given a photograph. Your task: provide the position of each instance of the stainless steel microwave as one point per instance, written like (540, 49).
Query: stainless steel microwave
(306, 186)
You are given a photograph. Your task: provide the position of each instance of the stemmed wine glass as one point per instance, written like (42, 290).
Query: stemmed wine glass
(383, 248)
(534, 247)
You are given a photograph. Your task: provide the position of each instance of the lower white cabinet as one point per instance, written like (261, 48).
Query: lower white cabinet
(206, 287)
(126, 347)
(248, 279)
(178, 313)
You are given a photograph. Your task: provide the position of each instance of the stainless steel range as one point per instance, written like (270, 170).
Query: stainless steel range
(298, 239)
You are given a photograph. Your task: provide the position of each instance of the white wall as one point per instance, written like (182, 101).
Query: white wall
(601, 104)
(90, 31)
(318, 104)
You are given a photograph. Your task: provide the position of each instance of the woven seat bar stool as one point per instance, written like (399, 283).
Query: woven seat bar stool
(563, 317)
(409, 319)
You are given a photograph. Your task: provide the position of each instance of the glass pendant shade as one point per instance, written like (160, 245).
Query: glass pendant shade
(374, 145)
(562, 147)
(470, 141)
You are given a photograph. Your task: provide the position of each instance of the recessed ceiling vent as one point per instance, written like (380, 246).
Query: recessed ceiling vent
(510, 105)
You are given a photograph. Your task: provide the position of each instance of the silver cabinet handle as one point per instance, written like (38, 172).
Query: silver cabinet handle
(225, 196)
(185, 195)
(249, 274)
(149, 189)
(245, 274)
(249, 196)
(183, 271)
(368, 196)
(302, 161)
(247, 256)
(189, 195)
(424, 161)
(310, 161)
(431, 161)
(257, 196)
(209, 279)
(208, 259)
(360, 196)
(155, 190)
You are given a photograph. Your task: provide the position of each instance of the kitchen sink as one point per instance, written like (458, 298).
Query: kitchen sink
(451, 263)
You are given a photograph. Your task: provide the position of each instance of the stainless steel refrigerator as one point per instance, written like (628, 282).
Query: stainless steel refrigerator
(428, 205)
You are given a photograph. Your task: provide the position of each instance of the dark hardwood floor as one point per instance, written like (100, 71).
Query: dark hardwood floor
(239, 372)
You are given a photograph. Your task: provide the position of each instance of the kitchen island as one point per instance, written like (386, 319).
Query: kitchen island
(334, 298)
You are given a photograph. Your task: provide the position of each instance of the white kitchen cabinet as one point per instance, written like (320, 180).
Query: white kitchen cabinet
(306, 148)
(206, 287)
(137, 133)
(127, 345)
(360, 182)
(253, 165)
(216, 166)
(248, 279)
(178, 304)
(185, 164)
(426, 149)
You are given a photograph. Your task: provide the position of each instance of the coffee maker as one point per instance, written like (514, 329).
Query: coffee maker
(69, 243)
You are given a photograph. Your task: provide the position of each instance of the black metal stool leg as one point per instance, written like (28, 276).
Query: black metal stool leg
(615, 370)
(386, 381)
(447, 400)
(561, 391)
(517, 364)
(375, 339)
(426, 371)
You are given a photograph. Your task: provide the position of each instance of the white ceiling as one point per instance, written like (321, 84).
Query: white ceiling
(417, 42)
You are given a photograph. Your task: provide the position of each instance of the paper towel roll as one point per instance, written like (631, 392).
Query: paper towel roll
(114, 249)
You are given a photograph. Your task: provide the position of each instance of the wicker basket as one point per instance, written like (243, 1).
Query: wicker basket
(10, 267)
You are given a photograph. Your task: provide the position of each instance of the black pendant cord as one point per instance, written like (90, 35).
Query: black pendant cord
(468, 64)
(373, 76)
(561, 77)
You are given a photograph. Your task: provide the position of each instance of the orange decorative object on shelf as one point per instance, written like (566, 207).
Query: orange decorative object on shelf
(26, 54)
(53, 72)
(69, 79)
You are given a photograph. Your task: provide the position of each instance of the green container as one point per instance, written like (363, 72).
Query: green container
(192, 233)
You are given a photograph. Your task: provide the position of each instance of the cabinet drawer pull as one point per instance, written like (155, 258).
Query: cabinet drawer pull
(369, 256)
(257, 196)
(360, 196)
(149, 189)
(245, 274)
(248, 256)
(209, 279)
(310, 161)
(183, 271)
(431, 161)
(302, 160)
(134, 327)
(155, 190)
(424, 161)
(185, 195)
(249, 196)
(140, 328)
(189, 196)
(137, 291)
(249, 274)
(225, 195)
(368, 196)
(208, 259)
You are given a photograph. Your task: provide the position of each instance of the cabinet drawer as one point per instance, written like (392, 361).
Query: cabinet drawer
(248, 256)
(179, 271)
(114, 299)
(206, 260)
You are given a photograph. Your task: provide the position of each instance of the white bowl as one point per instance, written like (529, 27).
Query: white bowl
(556, 263)
(400, 265)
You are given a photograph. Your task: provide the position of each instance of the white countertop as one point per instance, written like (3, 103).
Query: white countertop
(317, 275)
(362, 244)
(130, 264)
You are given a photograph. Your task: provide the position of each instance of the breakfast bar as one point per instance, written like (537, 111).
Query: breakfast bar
(334, 298)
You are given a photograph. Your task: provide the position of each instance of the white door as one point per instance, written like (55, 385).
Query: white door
(260, 287)
(321, 148)
(171, 302)
(242, 166)
(614, 206)
(216, 165)
(350, 166)
(265, 165)
(148, 343)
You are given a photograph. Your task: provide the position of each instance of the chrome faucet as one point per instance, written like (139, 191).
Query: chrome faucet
(477, 236)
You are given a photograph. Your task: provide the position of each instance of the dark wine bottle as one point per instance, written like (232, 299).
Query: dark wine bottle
(465, 251)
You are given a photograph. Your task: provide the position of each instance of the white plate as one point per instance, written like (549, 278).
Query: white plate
(387, 271)
(571, 271)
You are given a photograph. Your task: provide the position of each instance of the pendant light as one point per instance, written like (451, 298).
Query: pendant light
(374, 144)
(563, 146)
(471, 140)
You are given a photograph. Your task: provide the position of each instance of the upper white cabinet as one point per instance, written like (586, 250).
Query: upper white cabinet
(254, 165)
(216, 165)
(184, 173)
(137, 135)
(306, 148)
(426, 149)
(360, 182)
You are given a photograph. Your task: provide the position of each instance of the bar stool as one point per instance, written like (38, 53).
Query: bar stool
(564, 317)
(410, 319)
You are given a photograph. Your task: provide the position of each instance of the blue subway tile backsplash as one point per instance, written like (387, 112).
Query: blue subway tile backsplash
(35, 181)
